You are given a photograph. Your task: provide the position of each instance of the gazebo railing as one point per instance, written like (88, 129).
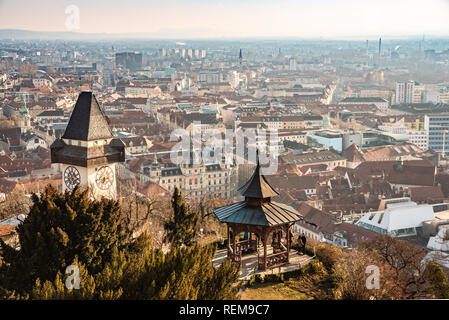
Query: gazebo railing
(274, 260)
(241, 247)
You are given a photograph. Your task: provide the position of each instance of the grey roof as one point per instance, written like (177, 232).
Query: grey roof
(51, 113)
(363, 99)
(88, 122)
(82, 156)
(204, 118)
(314, 157)
(172, 171)
(265, 214)
(257, 186)
(213, 167)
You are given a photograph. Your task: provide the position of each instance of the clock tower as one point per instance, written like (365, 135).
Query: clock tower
(88, 151)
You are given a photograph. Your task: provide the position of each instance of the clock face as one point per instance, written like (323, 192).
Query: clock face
(71, 177)
(104, 178)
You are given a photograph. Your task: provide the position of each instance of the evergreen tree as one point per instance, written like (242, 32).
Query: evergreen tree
(59, 229)
(182, 228)
(69, 229)
(181, 274)
(438, 280)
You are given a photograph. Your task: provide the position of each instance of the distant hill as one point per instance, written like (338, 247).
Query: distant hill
(42, 35)
(18, 34)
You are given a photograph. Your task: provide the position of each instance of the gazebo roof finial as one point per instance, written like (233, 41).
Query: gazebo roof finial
(257, 186)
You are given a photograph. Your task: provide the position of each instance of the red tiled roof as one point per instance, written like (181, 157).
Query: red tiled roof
(7, 231)
(426, 193)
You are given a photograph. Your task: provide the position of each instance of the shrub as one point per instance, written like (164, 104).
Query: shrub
(314, 267)
(328, 255)
(251, 281)
(273, 278)
(258, 278)
(292, 274)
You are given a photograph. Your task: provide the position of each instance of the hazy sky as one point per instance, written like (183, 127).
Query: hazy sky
(232, 18)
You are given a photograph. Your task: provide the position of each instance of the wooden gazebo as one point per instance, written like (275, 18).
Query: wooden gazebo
(260, 217)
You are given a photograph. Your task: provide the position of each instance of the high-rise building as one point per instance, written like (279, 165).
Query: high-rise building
(437, 127)
(400, 92)
(292, 62)
(405, 92)
(410, 92)
(380, 46)
(128, 60)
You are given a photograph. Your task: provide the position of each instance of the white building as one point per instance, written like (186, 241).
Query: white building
(395, 128)
(399, 219)
(419, 138)
(41, 82)
(32, 142)
(210, 77)
(429, 96)
(410, 92)
(405, 92)
(440, 241)
(292, 63)
(195, 181)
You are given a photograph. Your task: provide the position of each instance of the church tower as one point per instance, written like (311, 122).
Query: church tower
(88, 151)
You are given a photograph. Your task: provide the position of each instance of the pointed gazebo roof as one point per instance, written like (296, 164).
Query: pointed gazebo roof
(261, 212)
(257, 186)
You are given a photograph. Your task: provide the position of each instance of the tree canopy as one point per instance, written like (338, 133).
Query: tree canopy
(69, 229)
(182, 227)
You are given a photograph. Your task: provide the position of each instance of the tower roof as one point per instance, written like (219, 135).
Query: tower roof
(88, 122)
(257, 186)
(23, 109)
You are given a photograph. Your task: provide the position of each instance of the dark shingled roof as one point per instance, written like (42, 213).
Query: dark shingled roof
(266, 214)
(257, 186)
(88, 122)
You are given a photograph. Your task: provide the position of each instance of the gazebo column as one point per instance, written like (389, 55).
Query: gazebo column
(265, 238)
(234, 249)
(288, 243)
(280, 238)
(229, 241)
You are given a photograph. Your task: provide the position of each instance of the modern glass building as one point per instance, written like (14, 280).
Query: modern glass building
(437, 127)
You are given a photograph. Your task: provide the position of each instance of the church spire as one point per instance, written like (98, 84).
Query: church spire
(23, 111)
